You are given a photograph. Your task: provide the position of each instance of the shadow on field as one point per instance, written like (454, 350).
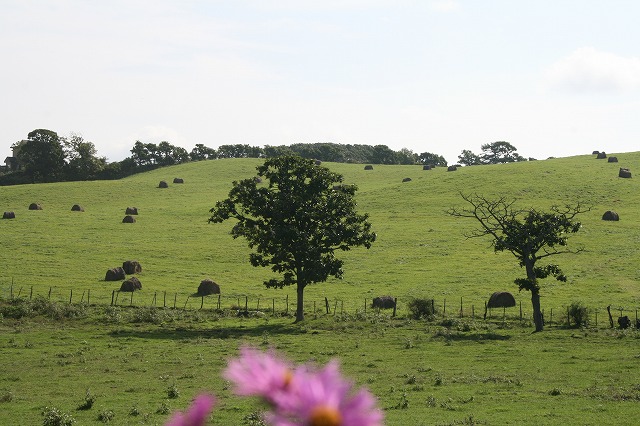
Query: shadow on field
(473, 337)
(222, 332)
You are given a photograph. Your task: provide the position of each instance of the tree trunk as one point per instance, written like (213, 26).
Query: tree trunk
(537, 313)
(300, 303)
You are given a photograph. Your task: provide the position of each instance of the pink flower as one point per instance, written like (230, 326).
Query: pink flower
(259, 373)
(324, 398)
(197, 413)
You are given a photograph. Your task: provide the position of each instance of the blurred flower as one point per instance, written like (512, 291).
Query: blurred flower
(197, 413)
(259, 373)
(324, 398)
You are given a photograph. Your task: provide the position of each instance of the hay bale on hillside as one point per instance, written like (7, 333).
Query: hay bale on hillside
(612, 160)
(163, 184)
(130, 285)
(8, 215)
(129, 219)
(368, 167)
(624, 322)
(601, 155)
(383, 302)
(318, 162)
(35, 206)
(178, 180)
(610, 215)
(115, 274)
(208, 287)
(452, 168)
(131, 267)
(501, 299)
(624, 173)
(595, 152)
(77, 208)
(426, 167)
(131, 210)
(407, 179)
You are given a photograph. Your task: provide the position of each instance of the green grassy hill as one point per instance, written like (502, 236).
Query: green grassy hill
(421, 251)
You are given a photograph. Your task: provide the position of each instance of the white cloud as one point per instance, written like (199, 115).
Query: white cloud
(445, 5)
(588, 70)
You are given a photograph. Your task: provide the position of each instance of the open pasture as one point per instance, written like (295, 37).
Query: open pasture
(445, 371)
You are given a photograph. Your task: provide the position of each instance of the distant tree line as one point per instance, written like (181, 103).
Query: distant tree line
(47, 157)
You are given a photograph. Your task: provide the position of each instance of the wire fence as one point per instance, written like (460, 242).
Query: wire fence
(445, 308)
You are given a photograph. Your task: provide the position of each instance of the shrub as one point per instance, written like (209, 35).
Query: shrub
(579, 314)
(106, 416)
(421, 308)
(173, 392)
(88, 401)
(55, 417)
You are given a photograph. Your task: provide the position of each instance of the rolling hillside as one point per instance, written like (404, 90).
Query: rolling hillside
(420, 251)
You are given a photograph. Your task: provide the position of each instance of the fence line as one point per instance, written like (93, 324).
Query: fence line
(282, 305)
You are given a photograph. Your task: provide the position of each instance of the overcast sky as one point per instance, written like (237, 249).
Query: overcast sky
(553, 78)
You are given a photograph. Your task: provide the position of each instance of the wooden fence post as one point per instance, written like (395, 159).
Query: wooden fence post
(218, 302)
(175, 299)
(326, 304)
(202, 302)
(521, 310)
(287, 300)
(365, 305)
(31, 296)
(258, 306)
(395, 304)
(164, 299)
(473, 312)
(49, 293)
(185, 303)
(444, 308)
(596, 311)
(461, 312)
(70, 296)
(113, 293)
(131, 302)
(315, 313)
(88, 294)
(246, 303)
(155, 296)
(335, 307)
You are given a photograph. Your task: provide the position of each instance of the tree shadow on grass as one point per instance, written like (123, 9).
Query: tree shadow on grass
(473, 337)
(219, 332)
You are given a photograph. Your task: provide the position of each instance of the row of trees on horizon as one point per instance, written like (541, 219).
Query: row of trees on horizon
(47, 157)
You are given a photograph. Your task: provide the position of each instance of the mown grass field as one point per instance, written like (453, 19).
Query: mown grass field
(447, 371)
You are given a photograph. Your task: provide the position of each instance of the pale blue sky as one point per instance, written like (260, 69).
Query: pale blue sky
(554, 78)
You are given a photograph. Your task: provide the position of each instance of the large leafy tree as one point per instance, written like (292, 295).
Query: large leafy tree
(468, 158)
(42, 156)
(529, 234)
(499, 152)
(295, 221)
(432, 159)
(82, 160)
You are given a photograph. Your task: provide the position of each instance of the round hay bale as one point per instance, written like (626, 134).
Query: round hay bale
(318, 162)
(610, 215)
(595, 152)
(8, 215)
(601, 155)
(35, 206)
(131, 267)
(426, 167)
(452, 168)
(115, 274)
(77, 208)
(131, 210)
(129, 219)
(383, 302)
(501, 299)
(132, 284)
(624, 173)
(208, 287)
(624, 322)
(612, 160)
(368, 167)
(178, 180)
(406, 179)
(163, 184)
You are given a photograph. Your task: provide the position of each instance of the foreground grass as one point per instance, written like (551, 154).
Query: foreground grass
(140, 363)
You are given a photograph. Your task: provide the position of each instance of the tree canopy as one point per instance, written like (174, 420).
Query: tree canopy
(529, 234)
(295, 221)
(42, 156)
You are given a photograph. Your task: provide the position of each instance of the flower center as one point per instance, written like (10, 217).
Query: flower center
(325, 416)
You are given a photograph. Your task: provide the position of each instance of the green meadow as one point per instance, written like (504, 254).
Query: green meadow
(141, 356)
